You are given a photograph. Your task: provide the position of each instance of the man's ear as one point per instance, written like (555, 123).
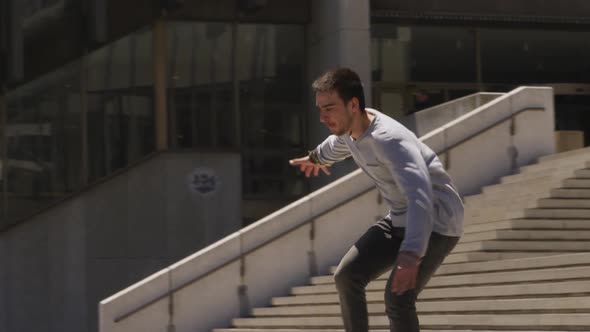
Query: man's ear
(355, 104)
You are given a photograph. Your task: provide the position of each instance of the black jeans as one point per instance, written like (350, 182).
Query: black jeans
(372, 255)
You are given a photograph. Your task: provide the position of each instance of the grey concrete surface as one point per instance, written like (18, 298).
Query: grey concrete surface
(58, 265)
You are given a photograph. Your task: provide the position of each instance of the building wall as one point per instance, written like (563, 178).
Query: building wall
(58, 265)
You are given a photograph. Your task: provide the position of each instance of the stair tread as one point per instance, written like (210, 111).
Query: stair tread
(495, 305)
(466, 320)
(453, 292)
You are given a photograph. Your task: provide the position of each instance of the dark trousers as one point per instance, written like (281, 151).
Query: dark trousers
(372, 255)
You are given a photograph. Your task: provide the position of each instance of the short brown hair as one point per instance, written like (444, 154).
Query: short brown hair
(345, 82)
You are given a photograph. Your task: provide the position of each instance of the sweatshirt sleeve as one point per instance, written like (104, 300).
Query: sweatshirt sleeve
(332, 149)
(404, 160)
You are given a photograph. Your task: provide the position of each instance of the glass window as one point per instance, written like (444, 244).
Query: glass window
(43, 137)
(200, 85)
(263, 66)
(270, 72)
(422, 53)
(535, 56)
(120, 104)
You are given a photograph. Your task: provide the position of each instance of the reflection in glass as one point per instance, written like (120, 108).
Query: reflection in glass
(200, 85)
(535, 56)
(120, 104)
(422, 53)
(43, 136)
(262, 65)
(270, 75)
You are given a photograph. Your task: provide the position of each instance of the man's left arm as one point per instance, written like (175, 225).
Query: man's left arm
(404, 160)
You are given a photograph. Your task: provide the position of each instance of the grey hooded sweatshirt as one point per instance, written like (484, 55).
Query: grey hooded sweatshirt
(409, 175)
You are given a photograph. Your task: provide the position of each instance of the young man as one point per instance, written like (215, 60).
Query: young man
(426, 212)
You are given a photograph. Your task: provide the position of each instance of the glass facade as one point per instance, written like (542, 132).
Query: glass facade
(119, 82)
(109, 92)
(237, 86)
(43, 141)
(419, 66)
(200, 85)
(270, 72)
(241, 86)
(405, 54)
(512, 56)
(407, 78)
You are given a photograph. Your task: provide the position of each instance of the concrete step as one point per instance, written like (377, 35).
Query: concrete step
(541, 289)
(551, 274)
(326, 330)
(582, 173)
(342, 330)
(486, 201)
(424, 329)
(485, 204)
(558, 213)
(536, 262)
(508, 262)
(489, 226)
(536, 224)
(478, 321)
(572, 162)
(576, 183)
(547, 182)
(557, 173)
(555, 203)
(495, 215)
(570, 193)
(534, 275)
(561, 304)
(561, 235)
(465, 257)
(509, 196)
(523, 276)
(567, 154)
(516, 208)
(572, 167)
(523, 246)
(522, 188)
(530, 261)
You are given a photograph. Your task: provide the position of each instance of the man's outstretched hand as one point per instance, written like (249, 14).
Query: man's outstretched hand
(306, 166)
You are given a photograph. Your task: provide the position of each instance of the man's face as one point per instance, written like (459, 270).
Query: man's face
(334, 113)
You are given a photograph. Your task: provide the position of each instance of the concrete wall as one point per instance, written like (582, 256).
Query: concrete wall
(267, 258)
(292, 258)
(427, 120)
(59, 264)
(497, 152)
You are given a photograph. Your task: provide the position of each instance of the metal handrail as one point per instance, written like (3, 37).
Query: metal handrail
(286, 232)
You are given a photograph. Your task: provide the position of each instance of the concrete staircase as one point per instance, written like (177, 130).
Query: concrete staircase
(523, 264)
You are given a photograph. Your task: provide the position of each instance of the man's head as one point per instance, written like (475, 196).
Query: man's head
(343, 81)
(340, 99)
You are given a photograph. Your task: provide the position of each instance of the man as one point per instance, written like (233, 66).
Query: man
(426, 212)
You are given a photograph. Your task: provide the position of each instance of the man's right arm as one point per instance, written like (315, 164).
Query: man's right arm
(332, 150)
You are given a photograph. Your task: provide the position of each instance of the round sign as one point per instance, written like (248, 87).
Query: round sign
(203, 181)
